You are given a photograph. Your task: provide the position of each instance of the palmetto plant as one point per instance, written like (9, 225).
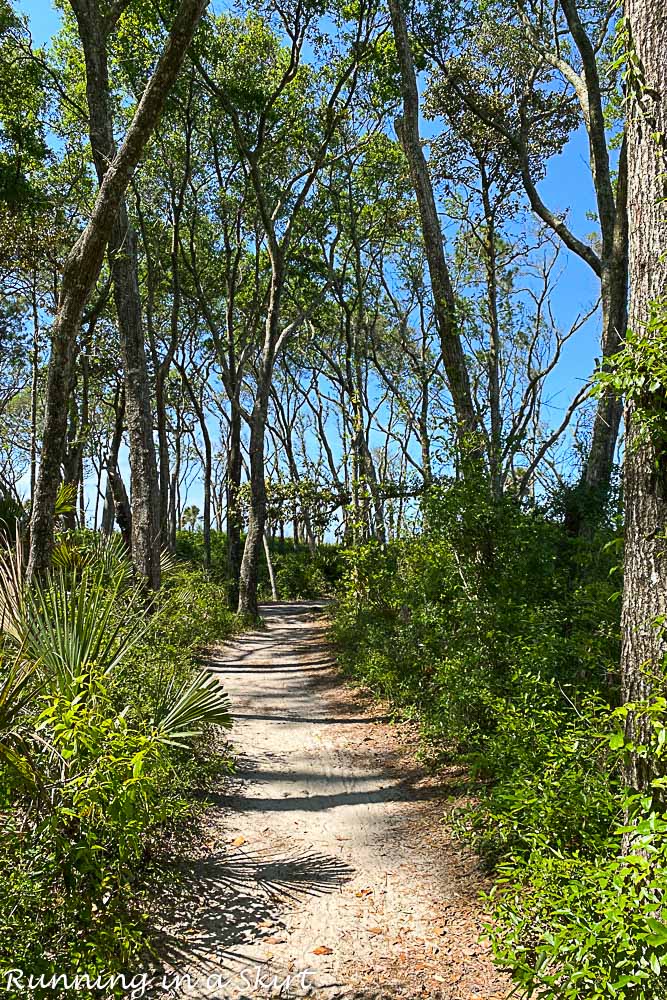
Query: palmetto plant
(18, 687)
(75, 624)
(12, 588)
(183, 713)
(71, 630)
(108, 553)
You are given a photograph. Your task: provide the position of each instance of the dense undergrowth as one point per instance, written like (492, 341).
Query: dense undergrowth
(299, 573)
(105, 732)
(499, 633)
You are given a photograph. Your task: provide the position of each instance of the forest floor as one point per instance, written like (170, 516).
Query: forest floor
(326, 868)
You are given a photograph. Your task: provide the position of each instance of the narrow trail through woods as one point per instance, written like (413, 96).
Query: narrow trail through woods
(326, 852)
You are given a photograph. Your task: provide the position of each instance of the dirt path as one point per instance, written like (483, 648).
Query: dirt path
(327, 870)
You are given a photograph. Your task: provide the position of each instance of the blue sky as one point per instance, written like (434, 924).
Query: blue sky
(566, 188)
(44, 18)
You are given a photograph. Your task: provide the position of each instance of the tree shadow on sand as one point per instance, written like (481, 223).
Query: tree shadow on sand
(221, 904)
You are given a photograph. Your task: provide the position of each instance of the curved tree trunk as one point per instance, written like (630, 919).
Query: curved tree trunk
(81, 270)
(444, 304)
(124, 269)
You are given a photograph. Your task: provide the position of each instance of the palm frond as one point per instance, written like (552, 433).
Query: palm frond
(200, 703)
(72, 624)
(65, 499)
(18, 689)
(168, 562)
(12, 589)
(108, 553)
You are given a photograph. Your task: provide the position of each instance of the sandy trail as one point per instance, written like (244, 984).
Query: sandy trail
(326, 870)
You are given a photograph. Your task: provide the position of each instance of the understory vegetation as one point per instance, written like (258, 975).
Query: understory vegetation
(299, 571)
(106, 730)
(499, 633)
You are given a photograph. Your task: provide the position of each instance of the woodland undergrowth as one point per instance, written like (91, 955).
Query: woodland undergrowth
(499, 632)
(108, 725)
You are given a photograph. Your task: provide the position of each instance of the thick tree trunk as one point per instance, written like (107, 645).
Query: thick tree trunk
(407, 129)
(645, 581)
(81, 270)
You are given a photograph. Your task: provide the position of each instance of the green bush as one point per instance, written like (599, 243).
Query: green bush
(302, 574)
(499, 633)
(104, 732)
(588, 928)
(299, 572)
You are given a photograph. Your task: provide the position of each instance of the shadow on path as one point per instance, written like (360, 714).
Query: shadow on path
(245, 893)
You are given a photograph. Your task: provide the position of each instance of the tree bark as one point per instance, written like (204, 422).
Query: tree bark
(614, 292)
(34, 385)
(81, 270)
(645, 579)
(108, 514)
(122, 511)
(233, 514)
(269, 566)
(248, 604)
(407, 129)
(124, 269)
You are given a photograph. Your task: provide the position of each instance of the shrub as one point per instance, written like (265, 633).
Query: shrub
(499, 633)
(588, 928)
(103, 709)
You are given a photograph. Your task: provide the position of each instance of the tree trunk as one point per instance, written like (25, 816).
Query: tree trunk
(407, 129)
(254, 539)
(269, 566)
(495, 343)
(163, 458)
(81, 270)
(613, 271)
(108, 514)
(122, 511)
(124, 269)
(645, 580)
(257, 519)
(233, 514)
(34, 385)
(614, 279)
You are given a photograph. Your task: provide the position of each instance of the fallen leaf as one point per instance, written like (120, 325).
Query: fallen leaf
(375, 930)
(322, 950)
(239, 842)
